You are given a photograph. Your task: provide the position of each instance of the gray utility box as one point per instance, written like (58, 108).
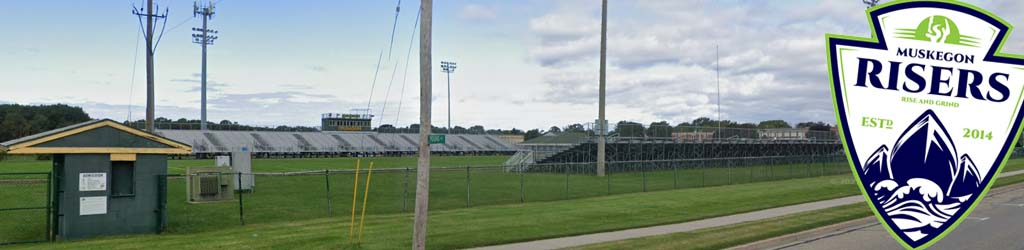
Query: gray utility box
(208, 184)
(241, 162)
(109, 179)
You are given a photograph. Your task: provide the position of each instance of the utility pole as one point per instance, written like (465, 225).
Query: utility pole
(419, 229)
(719, 85)
(601, 123)
(203, 37)
(448, 68)
(150, 48)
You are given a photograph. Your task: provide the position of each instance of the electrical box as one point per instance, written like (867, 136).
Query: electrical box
(241, 162)
(209, 184)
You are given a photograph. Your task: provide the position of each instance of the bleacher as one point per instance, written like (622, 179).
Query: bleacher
(329, 143)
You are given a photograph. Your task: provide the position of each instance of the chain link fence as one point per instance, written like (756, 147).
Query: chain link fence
(25, 208)
(325, 193)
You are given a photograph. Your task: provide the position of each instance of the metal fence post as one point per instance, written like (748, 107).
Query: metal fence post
(566, 181)
(327, 182)
(405, 191)
(608, 179)
(522, 187)
(241, 206)
(467, 186)
(49, 207)
(643, 177)
(675, 176)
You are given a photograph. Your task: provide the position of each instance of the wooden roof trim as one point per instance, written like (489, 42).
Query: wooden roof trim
(115, 125)
(98, 150)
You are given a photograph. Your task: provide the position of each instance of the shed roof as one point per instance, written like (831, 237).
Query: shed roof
(94, 137)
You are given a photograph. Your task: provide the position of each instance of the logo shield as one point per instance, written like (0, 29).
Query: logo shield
(928, 110)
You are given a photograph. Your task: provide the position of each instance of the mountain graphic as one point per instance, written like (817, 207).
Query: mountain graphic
(922, 181)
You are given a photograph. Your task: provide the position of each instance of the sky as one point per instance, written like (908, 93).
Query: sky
(521, 64)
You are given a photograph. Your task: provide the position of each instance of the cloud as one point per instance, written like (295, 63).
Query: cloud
(476, 12)
(195, 85)
(662, 58)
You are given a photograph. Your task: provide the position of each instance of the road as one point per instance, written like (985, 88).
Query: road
(996, 223)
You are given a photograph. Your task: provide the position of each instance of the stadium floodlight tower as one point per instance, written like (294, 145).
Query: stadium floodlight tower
(448, 68)
(203, 37)
(870, 3)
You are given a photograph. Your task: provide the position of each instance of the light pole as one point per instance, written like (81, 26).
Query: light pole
(204, 36)
(448, 68)
(602, 124)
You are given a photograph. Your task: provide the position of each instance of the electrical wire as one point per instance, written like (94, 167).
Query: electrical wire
(408, 57)
(391, 43)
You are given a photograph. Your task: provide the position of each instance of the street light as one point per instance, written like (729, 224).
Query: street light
(448, 68)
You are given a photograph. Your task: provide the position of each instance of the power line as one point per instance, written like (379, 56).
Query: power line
(135, 63)
(408, 57)
(387, 91)
(373, 85)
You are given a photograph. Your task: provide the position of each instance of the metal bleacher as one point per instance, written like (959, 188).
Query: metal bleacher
(330, 143)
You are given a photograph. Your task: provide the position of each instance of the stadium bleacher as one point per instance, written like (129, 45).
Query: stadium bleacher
(208, 143)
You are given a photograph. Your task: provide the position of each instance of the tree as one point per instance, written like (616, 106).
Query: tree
(773, 124)
(629, 129)
(575, 128)
(386, 128)
(14, 126)
(554, 129)
(476, 129)
(530, 134)
(815, 126)
(659, 129)
(459, 130)
(22, 120)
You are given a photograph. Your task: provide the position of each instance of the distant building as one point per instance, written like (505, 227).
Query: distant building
(514, 139)
(345, 122)
(693, 136)
(784, 133)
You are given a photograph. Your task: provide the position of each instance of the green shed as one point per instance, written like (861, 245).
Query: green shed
(108, 177)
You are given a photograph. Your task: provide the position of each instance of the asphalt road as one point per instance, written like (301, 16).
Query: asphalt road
(997, 223)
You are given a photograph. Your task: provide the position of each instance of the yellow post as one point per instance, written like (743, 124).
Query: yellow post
(366, 194)
(355, 191)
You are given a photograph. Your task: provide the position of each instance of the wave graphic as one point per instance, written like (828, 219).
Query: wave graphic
(922, 182)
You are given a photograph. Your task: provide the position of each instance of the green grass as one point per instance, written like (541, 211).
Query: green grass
(302, 200)
(738, 234)
(301, 197)
(742, 233)
(460, 228)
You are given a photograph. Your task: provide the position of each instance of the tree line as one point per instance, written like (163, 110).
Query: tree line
(22, 120)
(18, 121)
(665, 129)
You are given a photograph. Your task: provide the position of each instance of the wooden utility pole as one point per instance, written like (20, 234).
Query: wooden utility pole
(601, 123)
(150, 48)
(419, 229)
(150, 103)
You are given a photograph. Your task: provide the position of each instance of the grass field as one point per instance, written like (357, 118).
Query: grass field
(478, 226)
(742, 233)
(287, 201)
(300, 197)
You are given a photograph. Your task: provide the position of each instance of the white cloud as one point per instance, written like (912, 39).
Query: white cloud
(662, 58)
